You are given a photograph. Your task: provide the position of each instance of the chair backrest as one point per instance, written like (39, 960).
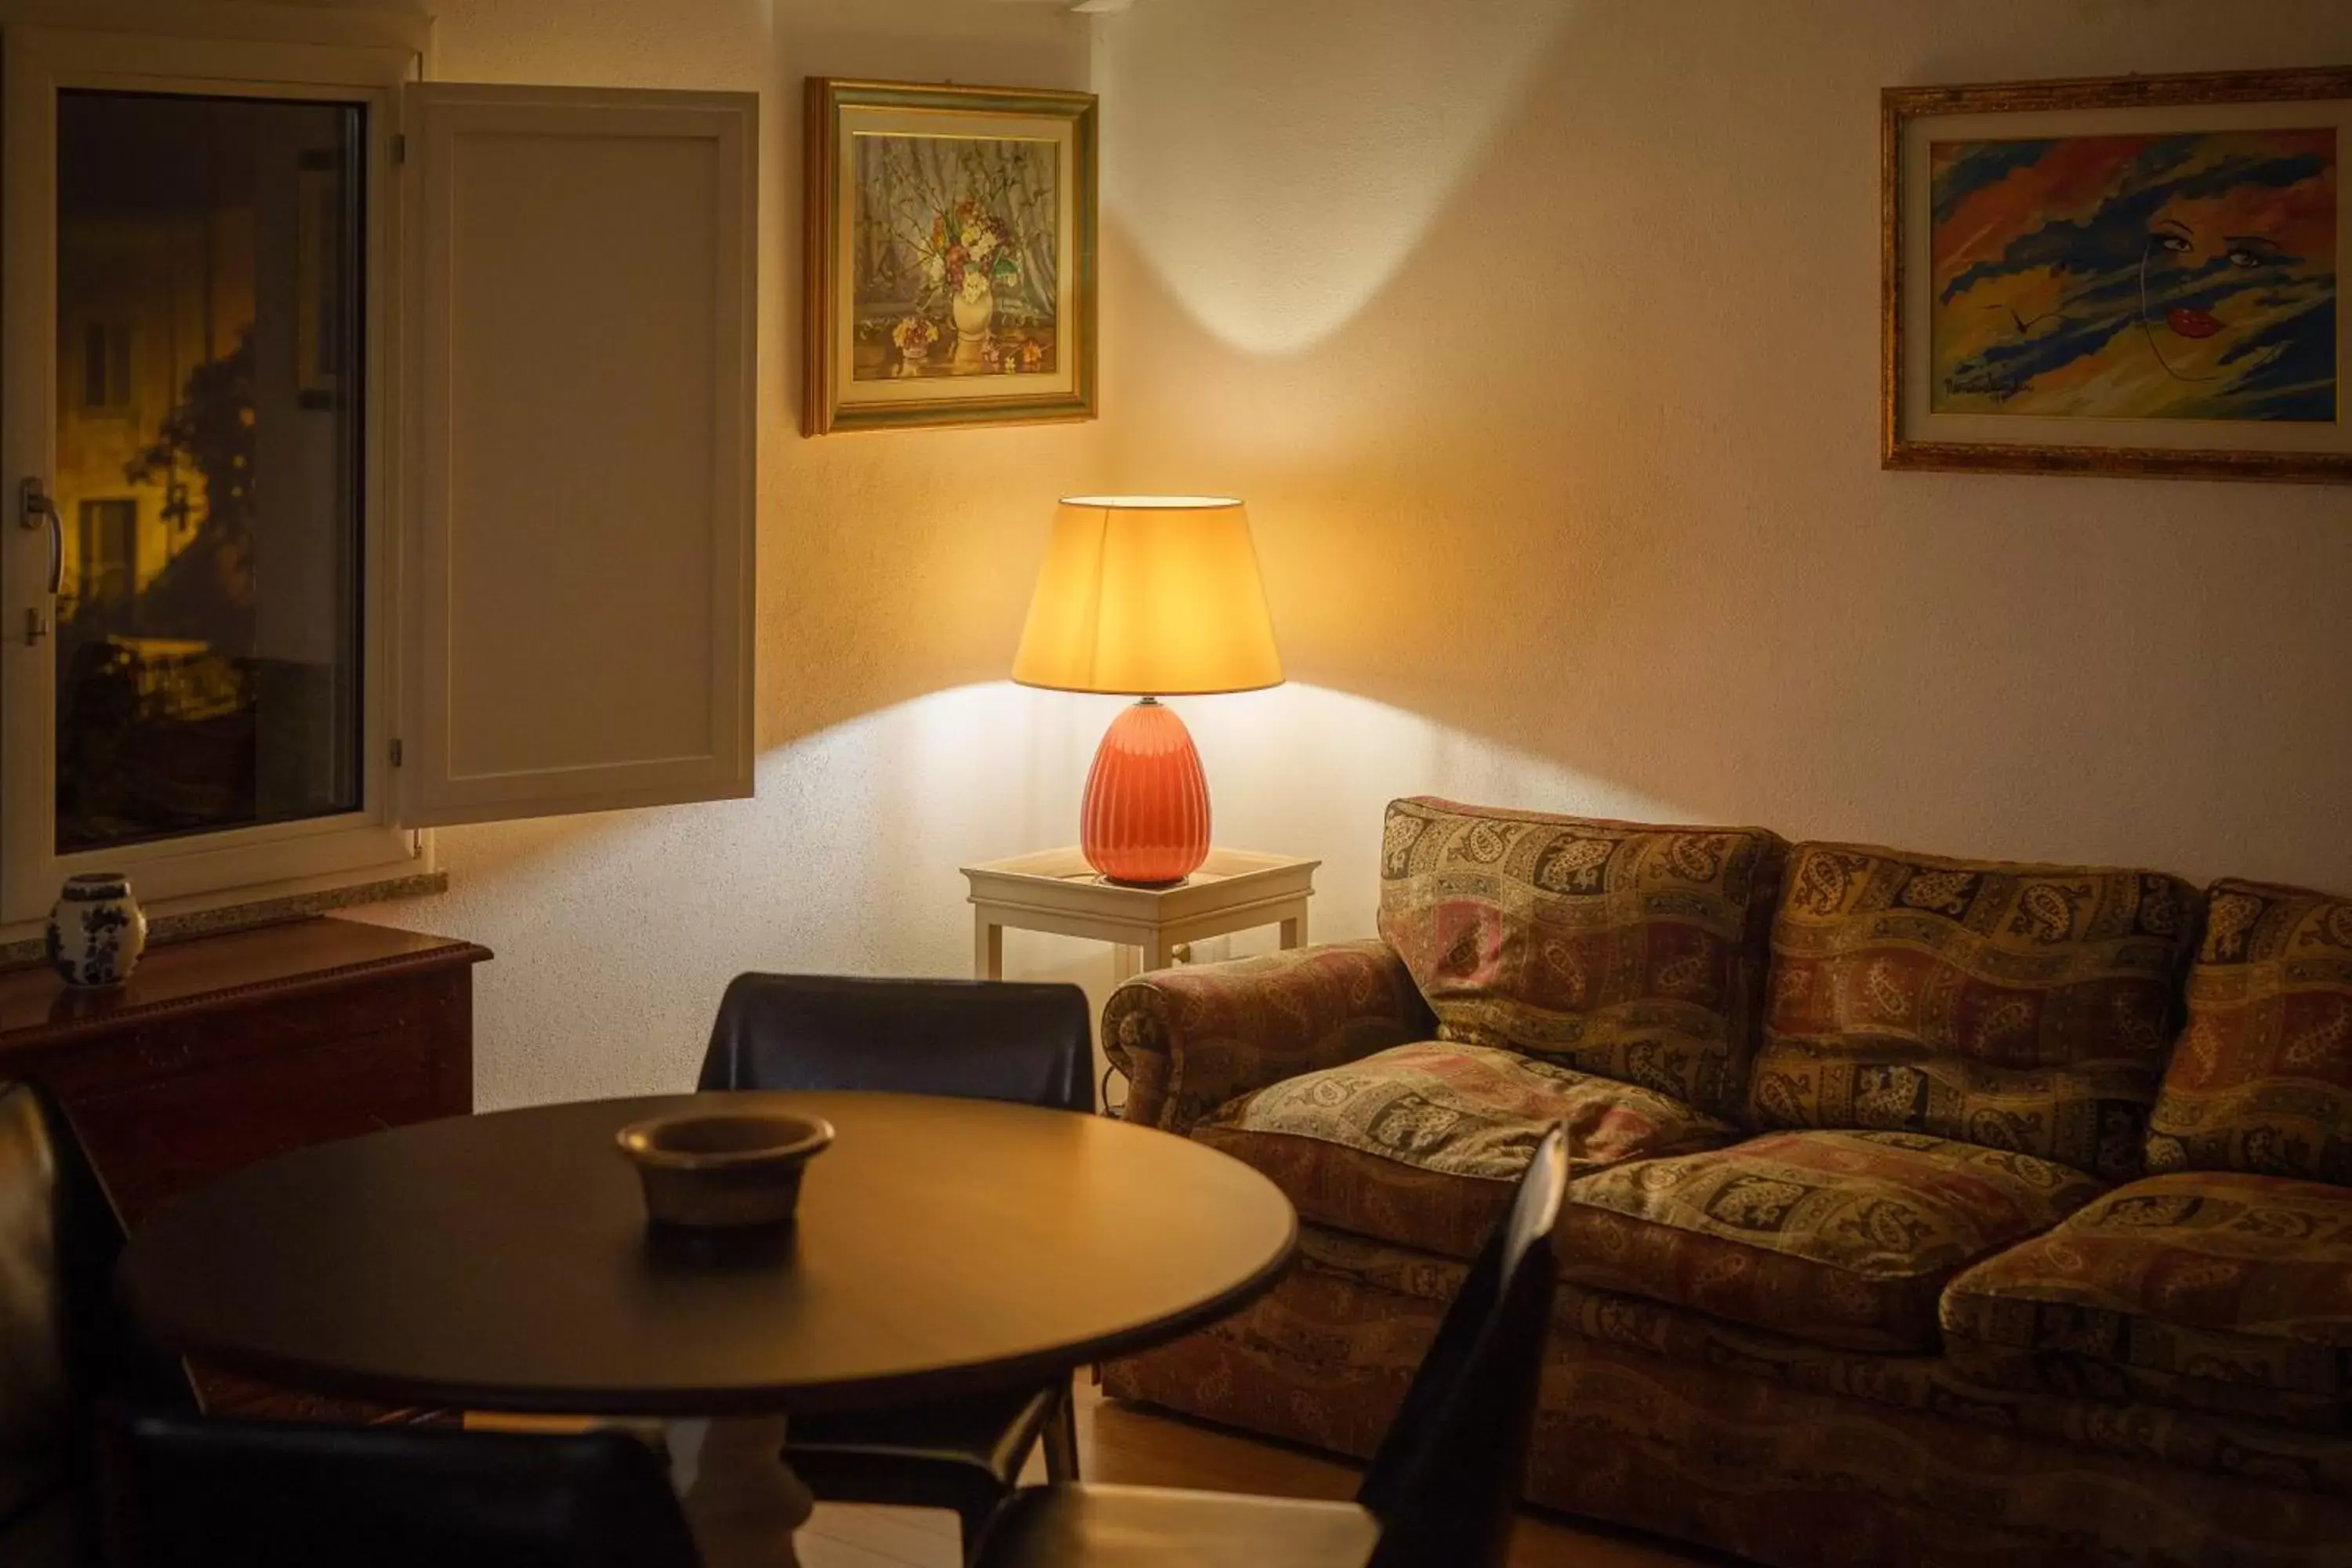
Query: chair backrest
(64, 1341)
(1445, 1481)
(189, 1492)
(981, 1039)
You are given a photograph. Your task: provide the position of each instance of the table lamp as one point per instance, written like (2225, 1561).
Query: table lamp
(1148, 596)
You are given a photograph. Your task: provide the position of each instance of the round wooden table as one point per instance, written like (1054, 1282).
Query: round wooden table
(504, 1262)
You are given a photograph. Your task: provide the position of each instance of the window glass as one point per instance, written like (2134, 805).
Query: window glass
(208, 464)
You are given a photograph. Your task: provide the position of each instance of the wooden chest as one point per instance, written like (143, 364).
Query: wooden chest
(223, 1050)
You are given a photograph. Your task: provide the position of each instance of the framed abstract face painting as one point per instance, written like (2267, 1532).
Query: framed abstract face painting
(951, 257)
(2135, 275)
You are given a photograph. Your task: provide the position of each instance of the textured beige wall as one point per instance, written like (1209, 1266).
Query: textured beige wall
(1541, 337)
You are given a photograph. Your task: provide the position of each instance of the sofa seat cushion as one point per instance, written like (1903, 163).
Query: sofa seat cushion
(2022, 1008)
(1841, 1239)
(1625, 949)
(1377, 1272)
(2261, 1079)
(2218, 1292)
(1424, 1143)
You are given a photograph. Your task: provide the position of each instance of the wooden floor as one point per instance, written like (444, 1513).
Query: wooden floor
(1140, 1445)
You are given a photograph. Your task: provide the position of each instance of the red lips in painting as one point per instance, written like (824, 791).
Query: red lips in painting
(2190, 323)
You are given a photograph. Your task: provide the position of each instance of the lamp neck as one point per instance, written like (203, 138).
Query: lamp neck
(1146, 702)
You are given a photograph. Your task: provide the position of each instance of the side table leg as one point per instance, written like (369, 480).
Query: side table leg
(740, 1499)
(1293, 930)
(987, 948)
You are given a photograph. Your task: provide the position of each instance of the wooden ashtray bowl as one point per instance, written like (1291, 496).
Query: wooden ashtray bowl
(718, 1168)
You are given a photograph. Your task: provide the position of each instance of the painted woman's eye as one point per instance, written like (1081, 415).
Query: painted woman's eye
(2244, 256)
(2173, 242)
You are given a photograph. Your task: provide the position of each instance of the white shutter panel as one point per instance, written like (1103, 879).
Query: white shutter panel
(579, 436)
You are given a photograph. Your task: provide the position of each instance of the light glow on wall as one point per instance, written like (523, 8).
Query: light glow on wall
(1239, 173)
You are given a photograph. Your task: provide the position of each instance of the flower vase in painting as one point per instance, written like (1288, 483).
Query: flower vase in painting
(974, 307)
(913, 337)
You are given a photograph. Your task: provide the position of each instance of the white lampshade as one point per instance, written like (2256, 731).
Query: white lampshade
(1149, 596)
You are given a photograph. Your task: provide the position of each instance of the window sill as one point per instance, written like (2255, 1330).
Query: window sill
(179, 919)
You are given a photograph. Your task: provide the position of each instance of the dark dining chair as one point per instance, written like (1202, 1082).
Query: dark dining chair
(64, 1343)
(1442, 1490)
(191, 1492)
(976, 1039)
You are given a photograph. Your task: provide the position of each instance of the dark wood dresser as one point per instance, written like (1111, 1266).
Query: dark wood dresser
(222, 1050)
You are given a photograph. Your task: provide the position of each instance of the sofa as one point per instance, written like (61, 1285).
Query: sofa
(1926, 1210)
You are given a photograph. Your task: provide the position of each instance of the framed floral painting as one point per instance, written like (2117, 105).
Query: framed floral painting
(951, 256)
(2135, 275)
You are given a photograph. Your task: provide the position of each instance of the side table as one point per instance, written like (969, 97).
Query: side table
(1057, 891)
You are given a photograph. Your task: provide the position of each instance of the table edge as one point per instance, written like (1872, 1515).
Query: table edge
(950, 1381)
(799, 1398)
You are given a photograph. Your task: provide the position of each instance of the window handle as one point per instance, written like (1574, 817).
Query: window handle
(34, 503)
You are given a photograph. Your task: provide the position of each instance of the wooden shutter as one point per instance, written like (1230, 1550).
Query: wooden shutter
(579, 431)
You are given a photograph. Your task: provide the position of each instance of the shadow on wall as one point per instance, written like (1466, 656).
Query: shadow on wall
(1557, 426)
(1324, 150)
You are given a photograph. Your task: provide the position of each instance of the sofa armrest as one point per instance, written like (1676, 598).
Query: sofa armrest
(1190, 1038)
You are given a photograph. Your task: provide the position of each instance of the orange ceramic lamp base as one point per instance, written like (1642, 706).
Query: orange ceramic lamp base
(1146, 817)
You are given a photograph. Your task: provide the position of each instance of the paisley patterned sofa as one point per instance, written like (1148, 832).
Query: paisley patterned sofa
(1927, 1210)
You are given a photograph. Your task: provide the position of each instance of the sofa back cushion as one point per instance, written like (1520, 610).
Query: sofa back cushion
(2261, 1079)
(1626, 950)
(2021, 1008)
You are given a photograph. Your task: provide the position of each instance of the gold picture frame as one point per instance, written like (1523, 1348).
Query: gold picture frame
(2116, 276)
(951, 235)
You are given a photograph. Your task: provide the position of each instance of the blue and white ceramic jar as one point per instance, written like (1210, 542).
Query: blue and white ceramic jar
(97, 929)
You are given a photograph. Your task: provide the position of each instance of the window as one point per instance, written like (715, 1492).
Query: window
(354, 420)
(211, 680)
(105, 367)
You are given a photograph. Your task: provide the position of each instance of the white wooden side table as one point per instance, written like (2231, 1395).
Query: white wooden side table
(1057, 891)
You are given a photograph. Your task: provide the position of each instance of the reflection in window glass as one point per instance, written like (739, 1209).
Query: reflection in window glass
(106, 366)
(208, 668)
(106, 546)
